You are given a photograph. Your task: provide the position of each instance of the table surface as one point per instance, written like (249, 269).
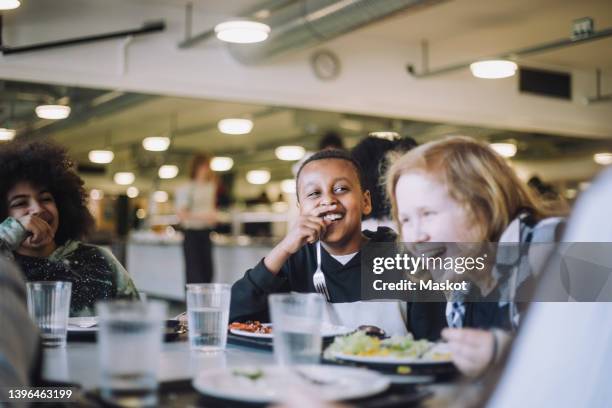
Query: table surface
(78, 363)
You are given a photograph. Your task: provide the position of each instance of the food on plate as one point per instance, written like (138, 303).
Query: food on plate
(360, 344)
(251, 327)
(253, 375)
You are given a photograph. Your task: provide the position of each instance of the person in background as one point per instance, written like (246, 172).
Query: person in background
(331, 140)
(458, 190)
(44, 213)
(374, 155)
(20, 357)
(196, 204)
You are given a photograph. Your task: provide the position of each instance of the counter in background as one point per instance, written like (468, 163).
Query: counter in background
(156, 263)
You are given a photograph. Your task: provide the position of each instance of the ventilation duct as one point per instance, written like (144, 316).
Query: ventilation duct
(307, 23)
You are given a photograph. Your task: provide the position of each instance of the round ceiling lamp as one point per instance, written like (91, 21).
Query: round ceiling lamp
(258, 176)
(604, 158)
(124, 178)
(132, 192)
(235, 126)
(221, 163)
(53, 112)
(168, 171)
(242, 32)
(493, 69)
(506, 150)
(160, 196)
(156, 143)
(101, 156)
(7, 134)
(288, 186)
(290, 153)
(385, 134)
(9, 4)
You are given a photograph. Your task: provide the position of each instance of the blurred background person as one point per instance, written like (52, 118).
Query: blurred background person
(331, 140)
(44, 213)
(196, 207)
(374, 155)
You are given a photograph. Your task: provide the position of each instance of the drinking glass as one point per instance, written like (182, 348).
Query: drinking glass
(129, 348)
(49, 306)
(208, 315)
(296, 324)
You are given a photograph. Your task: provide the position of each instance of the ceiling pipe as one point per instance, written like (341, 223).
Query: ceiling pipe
(311, 22)
(511, 55)
(147, 28)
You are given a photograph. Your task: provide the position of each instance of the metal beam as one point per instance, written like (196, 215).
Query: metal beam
(147, 28)
(564, 42)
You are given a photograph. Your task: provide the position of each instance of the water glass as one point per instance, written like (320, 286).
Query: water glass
(130, 339)
(49, 306)
(296, 324)
(208, 315)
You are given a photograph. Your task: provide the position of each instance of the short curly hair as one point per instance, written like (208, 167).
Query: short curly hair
(46, 164)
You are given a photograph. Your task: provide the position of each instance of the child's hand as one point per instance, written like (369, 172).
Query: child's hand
(472, 349)
(308, 229)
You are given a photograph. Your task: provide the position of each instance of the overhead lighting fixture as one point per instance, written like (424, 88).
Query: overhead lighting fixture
(160, 196)
(242, 32)
(385, 134)
(235, 126)
(506, 150)
(604, 158)
(132, 192)
(288, 186)
(258, 176)
(168, 171)
(221, 163)
(7, 134)
(290, 153)
(53, 112)
(493, 69)
(96, 194)
(156, 143)
(101, 156)
(9, 4)
(124, 178)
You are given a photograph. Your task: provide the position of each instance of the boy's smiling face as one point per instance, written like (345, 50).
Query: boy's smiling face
(329, 182)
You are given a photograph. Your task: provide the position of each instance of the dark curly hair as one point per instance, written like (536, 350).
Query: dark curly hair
(45, 164)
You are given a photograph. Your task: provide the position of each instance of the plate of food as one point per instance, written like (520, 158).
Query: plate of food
(256, 329)
(269, 384)
(397, 354)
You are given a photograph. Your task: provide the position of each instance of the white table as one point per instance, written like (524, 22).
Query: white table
(78, 362)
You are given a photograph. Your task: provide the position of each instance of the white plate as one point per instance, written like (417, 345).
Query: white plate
(277, 383)
(83, 324)
(427, 359)
(328, 330)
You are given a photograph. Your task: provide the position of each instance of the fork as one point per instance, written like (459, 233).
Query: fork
(318, 278)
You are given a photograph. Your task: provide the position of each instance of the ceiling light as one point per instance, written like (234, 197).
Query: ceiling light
(156, 143)
(493, 69)
(258, 176)
(101, 156)
(290, 153)
(385, 134)
(242, 32)
(96, 194)
(221, 163)
(506, 150)
(288, 186)
(235, 126)
(124, 178)
(160, 196)
(132, 192)
(603, 158)
(52, 111)
(168, 171)
(7, 134)
(9, 4)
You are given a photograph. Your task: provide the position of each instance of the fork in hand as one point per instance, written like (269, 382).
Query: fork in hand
(318, 278)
